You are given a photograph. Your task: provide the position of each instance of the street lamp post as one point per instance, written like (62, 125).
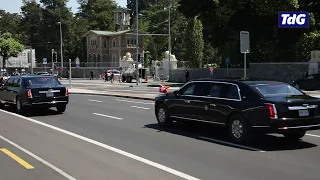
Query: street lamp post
(169, 46)
(52, 61)
(61, 45)
(137, 43)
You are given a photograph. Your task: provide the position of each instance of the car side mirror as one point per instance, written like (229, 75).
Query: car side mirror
(176, 93)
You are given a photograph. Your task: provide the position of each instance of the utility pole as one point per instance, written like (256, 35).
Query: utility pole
(137, 43)
(61, 45)
(169, 46)
(52, 52)
(31, 60)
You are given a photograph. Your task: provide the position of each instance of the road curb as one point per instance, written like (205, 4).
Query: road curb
(113, 95)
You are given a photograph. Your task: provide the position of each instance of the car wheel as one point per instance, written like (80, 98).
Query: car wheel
(163, 116)
(239, 129)
(19, 107)
(1, 105)
(61, 108)
(294, 136)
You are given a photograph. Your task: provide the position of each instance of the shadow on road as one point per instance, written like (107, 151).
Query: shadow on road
(218, 135)
(34, 112)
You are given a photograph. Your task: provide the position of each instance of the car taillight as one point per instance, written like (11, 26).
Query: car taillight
(272, 110)
(29, 94)
(67, 92)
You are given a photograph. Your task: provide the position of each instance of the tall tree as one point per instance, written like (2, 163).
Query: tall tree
(142, 5)
(98, 13)
(10, 23)
(9, 47)
(195, 43)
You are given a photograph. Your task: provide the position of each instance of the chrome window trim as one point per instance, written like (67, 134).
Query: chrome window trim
(177, 117)
(240, 98)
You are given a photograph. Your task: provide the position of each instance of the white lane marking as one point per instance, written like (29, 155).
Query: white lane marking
(313, 135)
(92, 100)
(231, 144)
(103, 115)
(39, 159)
(139, 107)
(110, 148)
(137, 102)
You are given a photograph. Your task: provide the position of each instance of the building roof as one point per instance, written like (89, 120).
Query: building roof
(106, 33)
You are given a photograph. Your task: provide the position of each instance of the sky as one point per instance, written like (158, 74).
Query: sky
(13, 6)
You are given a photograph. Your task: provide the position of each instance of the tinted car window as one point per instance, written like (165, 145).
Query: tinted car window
(216, 90)
(231, 92)
(41, 82)
(188, 89)
(9, 82)
(280, 89)
(201, 89)
(16, 82)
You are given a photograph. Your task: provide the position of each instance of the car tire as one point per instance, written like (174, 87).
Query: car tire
(294, 136)
(1, 105)
(19, 107)
(61, 108)
(238, 129)
(163, 116)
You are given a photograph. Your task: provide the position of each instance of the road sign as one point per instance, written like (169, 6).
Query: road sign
(45, 61)
(227, 61)
(244, 42)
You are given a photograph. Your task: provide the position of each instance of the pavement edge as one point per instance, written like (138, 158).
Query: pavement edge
(113, 95)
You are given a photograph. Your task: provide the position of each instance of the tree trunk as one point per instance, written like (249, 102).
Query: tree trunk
(4, 62)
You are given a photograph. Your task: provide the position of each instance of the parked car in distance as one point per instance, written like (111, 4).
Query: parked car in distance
(27, 92)
(242, 106)
(309, 82)
(43, 73)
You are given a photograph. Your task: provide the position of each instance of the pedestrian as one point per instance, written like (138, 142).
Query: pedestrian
(105, 76)
(91, 75)
(187, 75)
(112, 77)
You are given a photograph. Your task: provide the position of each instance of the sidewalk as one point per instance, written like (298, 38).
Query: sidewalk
(114, 94)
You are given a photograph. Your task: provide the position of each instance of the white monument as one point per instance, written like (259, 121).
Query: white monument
(166, 65)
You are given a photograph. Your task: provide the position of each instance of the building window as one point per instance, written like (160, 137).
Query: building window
(128, 41)
(114, 42)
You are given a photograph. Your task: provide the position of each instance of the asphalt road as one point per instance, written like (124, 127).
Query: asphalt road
(185, 151)
(100, 85)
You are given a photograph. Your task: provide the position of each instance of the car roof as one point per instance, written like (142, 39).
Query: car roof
(33, 76)
(241, 81)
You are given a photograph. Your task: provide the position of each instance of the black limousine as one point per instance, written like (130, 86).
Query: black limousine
(242, 107)
(27, 92)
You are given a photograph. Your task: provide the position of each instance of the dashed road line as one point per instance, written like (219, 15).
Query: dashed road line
(17, 158)
(137, 102)
(35, 156)
(139, 107)
(103, 115)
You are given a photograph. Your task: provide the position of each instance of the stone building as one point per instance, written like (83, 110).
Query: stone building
(106, 48)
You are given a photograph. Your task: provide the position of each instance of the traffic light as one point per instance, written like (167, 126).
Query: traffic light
(139, 57)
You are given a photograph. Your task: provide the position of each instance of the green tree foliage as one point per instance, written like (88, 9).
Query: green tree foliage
(194, 43)
(98, 13)
(10, 23)
(223, 20)
(9, 47)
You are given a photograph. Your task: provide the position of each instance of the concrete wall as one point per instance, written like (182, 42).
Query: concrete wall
(286, 72)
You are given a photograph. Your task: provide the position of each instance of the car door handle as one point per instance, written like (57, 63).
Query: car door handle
(187, 101)
(212, 104)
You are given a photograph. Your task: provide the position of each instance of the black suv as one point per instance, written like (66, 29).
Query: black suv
(34, 91)
(242, 107)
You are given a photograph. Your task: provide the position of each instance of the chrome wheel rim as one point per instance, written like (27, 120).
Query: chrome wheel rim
(162, 115)
(237, 129)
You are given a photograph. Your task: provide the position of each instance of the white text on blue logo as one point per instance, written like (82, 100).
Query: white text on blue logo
(295, 19)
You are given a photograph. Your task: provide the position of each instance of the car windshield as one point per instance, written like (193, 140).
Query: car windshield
(280, 89)
(42, 82)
